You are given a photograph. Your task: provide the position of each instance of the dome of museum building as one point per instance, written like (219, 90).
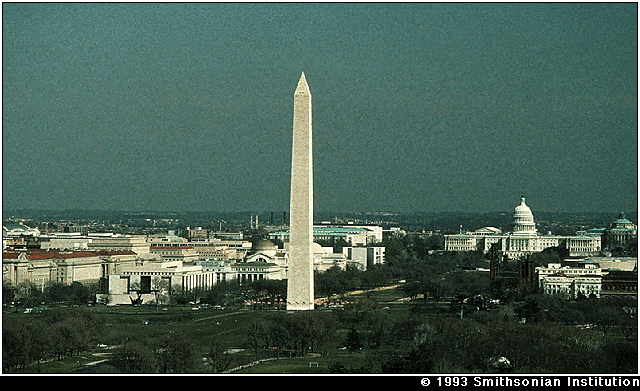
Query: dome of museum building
(266, 247)
(523, 223)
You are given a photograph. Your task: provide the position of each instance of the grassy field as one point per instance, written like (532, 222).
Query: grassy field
(305, 365)
(204, 325)
(201, 325)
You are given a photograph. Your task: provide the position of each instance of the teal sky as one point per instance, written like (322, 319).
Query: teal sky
(416, 107)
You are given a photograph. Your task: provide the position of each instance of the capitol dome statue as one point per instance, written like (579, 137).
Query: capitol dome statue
(523, 223)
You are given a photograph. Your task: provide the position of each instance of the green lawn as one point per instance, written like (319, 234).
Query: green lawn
(228, 327)
(306, 365)
(203, 325)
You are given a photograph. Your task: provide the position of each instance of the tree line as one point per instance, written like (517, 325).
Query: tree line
(173, 353)
(28, 294)
(59, 333)
(550, 341)
(454, 345)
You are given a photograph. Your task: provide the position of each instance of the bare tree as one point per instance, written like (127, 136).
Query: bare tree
(220, 360)
(255, 332)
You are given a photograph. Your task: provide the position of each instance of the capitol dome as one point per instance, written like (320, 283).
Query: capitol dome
(523, 223)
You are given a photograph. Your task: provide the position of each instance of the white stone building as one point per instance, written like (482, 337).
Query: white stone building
(111, 241)
(364, 257)
(18, 229)
(620, 232)
(267, 261)
(44, 267)
(65, 241)
(353, 234)
(206, 248)
(523, 240)
(221, 268)
(153, 282)
(571, 286)
(581, 277)
(187, 255)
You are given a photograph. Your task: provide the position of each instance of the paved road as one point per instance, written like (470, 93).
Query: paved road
(218, 316)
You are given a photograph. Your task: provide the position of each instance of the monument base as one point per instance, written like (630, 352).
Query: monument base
(300, 307)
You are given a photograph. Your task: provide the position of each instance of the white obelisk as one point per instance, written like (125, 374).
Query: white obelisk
(300, 274)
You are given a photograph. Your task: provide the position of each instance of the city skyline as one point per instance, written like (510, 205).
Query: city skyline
(421, 107)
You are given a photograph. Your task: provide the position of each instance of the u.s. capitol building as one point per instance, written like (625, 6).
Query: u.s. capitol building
(524, 238)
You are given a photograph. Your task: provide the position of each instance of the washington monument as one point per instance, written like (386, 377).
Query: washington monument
(300, 278)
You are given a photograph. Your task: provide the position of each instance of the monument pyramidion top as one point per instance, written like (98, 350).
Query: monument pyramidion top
(303, 87)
